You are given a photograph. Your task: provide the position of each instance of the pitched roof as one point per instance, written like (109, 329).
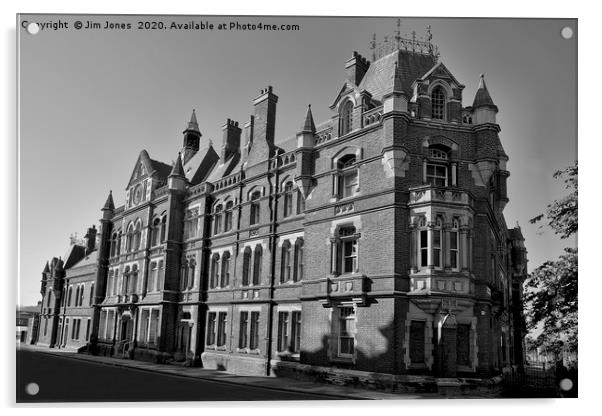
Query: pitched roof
(90, 259)
(178, 169)
(74, 253)
(162, 169)
(482, 97)
(380, 76)
(308, 125)
(109, 205)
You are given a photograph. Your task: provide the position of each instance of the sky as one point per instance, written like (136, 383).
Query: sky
(91, 100)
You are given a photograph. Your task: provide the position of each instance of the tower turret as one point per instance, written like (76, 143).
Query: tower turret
(305, 146)
(192, 138)
(176, 179)
(483, 108)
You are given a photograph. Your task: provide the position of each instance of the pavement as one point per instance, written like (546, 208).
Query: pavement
(281, 384)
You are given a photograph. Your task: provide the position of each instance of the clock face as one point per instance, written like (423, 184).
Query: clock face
(137, 194)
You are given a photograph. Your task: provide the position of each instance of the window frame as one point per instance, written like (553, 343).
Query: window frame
(346, 118)
(438, 103)
(255, 208)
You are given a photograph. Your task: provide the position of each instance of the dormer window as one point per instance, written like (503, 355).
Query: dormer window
(438, 103)
(346, 118)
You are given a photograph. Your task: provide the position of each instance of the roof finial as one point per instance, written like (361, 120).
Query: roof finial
(193, 124)
(398, 33)
(308, 125)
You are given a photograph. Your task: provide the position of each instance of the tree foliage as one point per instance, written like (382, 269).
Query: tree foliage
(551, 289)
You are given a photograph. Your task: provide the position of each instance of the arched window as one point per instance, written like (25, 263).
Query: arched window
(225, 276)
(214, 279)
(347, 176)
(257, 265)
(255, 208)
(77, 295)
(133, 280)
(346, 115)
(217, 220)
(246, 266)
(152, 277)
(300, 202)
(119, 237)
(113, 244)
(438, 103)
(156, 230)
(288, 199)
(298, 260)
(81, 295)
(228, 216)
(163, 228)
(184, 275)
(69, 294)
(137, 236)
(129, 239)
(110, 279)
(115, 282)
(285, 271)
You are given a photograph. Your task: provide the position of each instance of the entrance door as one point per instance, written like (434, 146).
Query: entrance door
(126, 329)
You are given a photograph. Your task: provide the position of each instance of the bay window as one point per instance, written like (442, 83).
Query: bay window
(345, 251)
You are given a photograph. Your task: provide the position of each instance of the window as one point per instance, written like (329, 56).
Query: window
(88, 329)
(417, 342)
(282, 331)
(430, 251)
(300, 202)
(184, 275)
(191, 270)
(69, 294)
(254, 336)
(144, 322)
(246, 266)
(346, 333)
(228, 216)
(114, 245)
(81, 295)
(115, 281)
(345, 251)
(437, 237)
(214, 277)
(191, 223)
(285, 273)
(119, 239)
(254, 218)
(257, 265)
(438, 103)
(137, 236)
(453, 245)
(163, 229)
(222, 318)
(463, 344)
(153, 331)
(347, 176)
(110, 324)
(289, 331)
(76, 295)
(91, 300)
(129, 239)
(242, 336)
(110, 279)
(155, 232)
(436, 175)
(211, 321)
(288, 199)
(298, 260)
(346, 123)
(225, 276)
(217, 220)
(152, 277)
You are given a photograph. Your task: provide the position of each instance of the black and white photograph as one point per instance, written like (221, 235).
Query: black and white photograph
(235, 208)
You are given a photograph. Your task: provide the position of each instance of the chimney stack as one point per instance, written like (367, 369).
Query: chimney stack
(231, 139)
(91, 239)
(356, 68)
(264, 126)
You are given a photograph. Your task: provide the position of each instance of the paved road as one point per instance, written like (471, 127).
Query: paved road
(63, 379)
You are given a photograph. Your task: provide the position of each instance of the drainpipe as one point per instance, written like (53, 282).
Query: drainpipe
(274, 210)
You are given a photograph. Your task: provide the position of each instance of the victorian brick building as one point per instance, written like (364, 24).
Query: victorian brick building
(373, 241)
(67, 290)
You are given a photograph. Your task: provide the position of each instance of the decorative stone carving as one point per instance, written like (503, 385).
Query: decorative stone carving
(395, 163)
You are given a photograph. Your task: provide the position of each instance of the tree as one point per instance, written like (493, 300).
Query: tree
(551, 289)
